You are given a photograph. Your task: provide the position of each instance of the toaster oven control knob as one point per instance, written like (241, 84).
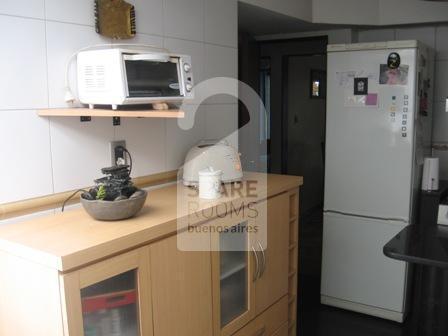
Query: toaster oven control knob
(189, 87)
(187, 67)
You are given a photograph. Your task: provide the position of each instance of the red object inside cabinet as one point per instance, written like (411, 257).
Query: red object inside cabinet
(108, 301)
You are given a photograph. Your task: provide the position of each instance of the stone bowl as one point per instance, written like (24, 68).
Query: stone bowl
(114, 210)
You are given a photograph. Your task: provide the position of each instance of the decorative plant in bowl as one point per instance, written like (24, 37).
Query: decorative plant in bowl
(114, 196)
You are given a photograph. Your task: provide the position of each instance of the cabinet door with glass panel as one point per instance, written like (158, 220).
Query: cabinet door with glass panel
(110, 298)
(234, 272)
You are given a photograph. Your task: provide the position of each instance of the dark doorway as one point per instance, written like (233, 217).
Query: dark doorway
(297, 105)
(287, 130)
(304, 125)
(290, 77)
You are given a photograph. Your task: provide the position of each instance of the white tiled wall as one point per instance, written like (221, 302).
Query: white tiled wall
(23, 42)
(79, 150)
(78, 11)
(221, 62)
(52, 155)
(27, 8)
(26, 156)
(221, 26)
(149, 16)
(221, 122)
(180, 141)
(184, 19)
(437, 38)
(142, 137)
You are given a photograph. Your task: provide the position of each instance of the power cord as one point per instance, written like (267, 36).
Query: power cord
(82, 190)
(129, 155)
(70, 197)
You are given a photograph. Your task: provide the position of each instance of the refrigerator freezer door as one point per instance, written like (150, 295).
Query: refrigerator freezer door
(354, 268)
(370, 134)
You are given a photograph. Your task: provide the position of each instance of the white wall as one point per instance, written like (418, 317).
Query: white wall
(379, 12)
(356, 12)
(46, 155)
(394, 12)
(437, 38)
(300, 9)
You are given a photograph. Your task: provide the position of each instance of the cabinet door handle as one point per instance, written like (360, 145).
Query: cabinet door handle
(260, 332)
(257, 264)
(263, 268)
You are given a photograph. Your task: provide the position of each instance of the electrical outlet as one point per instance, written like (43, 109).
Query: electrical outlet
(117, 155)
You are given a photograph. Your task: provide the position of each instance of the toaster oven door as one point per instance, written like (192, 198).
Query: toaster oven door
(152, 76)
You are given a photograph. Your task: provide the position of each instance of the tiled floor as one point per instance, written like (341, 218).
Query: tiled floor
(319, 320)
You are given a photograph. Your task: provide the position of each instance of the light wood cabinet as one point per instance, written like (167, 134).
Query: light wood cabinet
(268, 322)
(283, 331)
(234, 270)
(111, 297)
(293, 262)
(248, 281)
(272, 282)
(69, 275)
(181, 290)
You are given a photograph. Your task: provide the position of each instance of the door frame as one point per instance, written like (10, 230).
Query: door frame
(284, 109)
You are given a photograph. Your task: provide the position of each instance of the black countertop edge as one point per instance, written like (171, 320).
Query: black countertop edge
(428, 247)
(413, 259)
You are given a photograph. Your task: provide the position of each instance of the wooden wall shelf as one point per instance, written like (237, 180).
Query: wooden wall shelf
(86, 112)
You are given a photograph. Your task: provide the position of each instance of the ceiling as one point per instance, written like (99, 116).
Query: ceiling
(256, 19)
(259, 21)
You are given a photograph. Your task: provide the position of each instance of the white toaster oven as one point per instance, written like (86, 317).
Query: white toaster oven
(117, 76)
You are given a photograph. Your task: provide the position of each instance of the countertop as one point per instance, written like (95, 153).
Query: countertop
(424, 247)
(70, 240)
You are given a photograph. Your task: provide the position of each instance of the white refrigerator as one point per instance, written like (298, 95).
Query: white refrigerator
(377, 133)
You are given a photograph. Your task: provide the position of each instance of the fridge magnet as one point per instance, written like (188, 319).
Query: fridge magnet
(345, 78)
(393, 61)
(361, 86)
(398, 76)
(372, 99)
(355, 101)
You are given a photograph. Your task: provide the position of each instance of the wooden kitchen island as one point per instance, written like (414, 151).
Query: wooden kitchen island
(182, 267)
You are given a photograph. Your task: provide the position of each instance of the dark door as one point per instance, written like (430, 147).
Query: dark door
(305, 122)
